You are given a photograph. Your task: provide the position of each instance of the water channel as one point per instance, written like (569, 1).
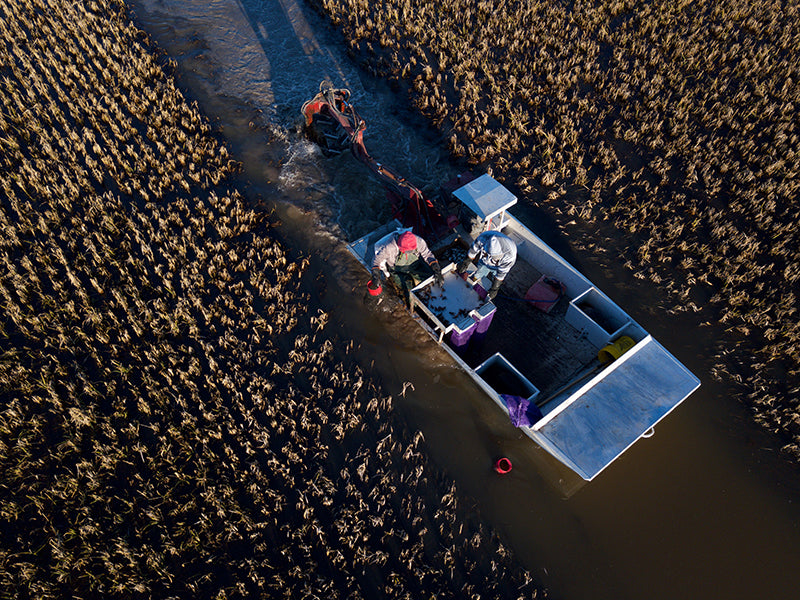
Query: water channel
(704, 509)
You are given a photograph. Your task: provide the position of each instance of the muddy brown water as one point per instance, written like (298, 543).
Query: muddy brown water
(706, 508)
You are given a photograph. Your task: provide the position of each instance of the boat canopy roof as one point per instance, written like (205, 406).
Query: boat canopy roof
(486, 197)
(600, 420)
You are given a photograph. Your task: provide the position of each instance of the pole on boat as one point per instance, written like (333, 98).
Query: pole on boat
(607, 355)
(570, 384)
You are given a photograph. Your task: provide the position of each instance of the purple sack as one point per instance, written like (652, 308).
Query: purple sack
(521, 411)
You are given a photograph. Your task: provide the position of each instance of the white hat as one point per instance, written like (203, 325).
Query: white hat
(495, 248)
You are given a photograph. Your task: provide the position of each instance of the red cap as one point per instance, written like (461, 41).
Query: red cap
(407, 241)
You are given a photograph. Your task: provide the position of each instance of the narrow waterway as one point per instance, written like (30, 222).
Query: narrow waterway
(704, 509)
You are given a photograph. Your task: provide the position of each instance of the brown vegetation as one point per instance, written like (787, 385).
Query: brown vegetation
(174, 420)
(669, 127)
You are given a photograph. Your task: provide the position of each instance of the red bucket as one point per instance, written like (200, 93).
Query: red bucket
(374, 291)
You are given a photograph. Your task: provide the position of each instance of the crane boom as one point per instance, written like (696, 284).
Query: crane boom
(334, 124)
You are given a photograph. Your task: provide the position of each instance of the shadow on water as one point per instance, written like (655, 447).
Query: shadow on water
(705, 509)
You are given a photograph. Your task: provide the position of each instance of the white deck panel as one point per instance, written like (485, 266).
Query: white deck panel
(604, 418)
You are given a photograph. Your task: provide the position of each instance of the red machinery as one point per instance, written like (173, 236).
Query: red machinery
(333, 123)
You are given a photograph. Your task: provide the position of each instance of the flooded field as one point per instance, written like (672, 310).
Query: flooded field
(196, 402)
(179, 417)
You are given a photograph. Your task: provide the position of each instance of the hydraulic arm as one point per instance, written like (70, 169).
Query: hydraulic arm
(333, 123)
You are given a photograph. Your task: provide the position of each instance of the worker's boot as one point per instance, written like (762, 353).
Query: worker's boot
(494, 289)
(407, 293)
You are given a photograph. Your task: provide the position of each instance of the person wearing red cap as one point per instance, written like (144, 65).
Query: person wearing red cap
(403, 257)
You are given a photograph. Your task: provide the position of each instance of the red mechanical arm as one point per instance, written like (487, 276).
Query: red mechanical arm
(333, 123)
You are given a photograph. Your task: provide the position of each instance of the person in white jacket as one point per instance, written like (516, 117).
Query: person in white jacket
(493, 253)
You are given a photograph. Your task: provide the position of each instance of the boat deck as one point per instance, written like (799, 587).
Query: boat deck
(546, 349)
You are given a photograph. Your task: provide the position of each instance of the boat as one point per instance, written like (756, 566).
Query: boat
(573, 370)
